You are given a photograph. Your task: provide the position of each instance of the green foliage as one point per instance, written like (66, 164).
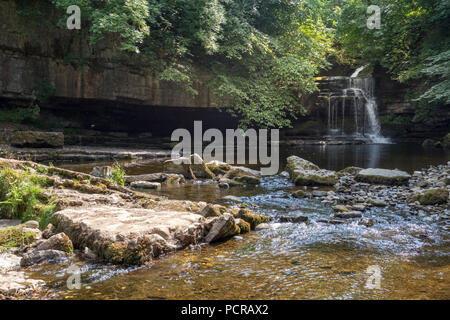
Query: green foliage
(118, 174)
(20, 115)
(43, 90)
(437, 69)
(22, 197)
(15, 237)
(126, 19)
(413, 44)
(260, 55)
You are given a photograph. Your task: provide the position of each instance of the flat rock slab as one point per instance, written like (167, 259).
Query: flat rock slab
(129, 235)
(383, 176)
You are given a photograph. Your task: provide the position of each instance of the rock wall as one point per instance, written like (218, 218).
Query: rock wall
(31, 54)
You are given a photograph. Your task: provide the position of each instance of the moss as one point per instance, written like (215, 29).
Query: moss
(21, 194)
(15, 237)
(432, 197)
(252, 218)
(244, 226)
(299, 194)
(219, 168)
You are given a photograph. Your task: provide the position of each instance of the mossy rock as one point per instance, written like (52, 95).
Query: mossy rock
(348, 171)
(248, 180)
(252, 218)
(15, 237)
(299, 194)
(383, 176)
(211, 210)
(295, 163)
(432, 197)
(243, 225)
(315, 180)
(218, 168)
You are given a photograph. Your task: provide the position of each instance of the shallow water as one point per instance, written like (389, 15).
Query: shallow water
(287, 261)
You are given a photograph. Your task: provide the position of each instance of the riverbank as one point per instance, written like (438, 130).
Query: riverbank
(70, 212)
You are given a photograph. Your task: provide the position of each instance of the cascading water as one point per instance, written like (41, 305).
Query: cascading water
(355, 95)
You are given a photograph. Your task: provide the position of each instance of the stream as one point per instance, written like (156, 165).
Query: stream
(309, 260)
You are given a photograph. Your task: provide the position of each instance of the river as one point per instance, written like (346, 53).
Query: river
(289, 260)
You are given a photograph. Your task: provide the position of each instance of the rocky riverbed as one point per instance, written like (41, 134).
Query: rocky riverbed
(97, 220)
(356, 190)
(107, 222)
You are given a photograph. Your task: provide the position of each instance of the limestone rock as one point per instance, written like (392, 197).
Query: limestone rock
(340, 208)
(218, 167)
(383, 176)
(299, 194)
(262, 226)
(224, 227)
(145, 185)
(243, 225)
(42, 256)
(296, 163)
(211, 210)
(60, 242)
(305, 173)
(252, 218)
(348, 215)
(31, 224)
(241, 176)
(432, 196)
(126, 235)
(293, 219)
(37, 139)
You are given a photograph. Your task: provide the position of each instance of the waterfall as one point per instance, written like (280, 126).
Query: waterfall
(357, 95)
(357, 71)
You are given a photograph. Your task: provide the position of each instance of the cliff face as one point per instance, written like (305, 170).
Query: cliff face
(31, 53)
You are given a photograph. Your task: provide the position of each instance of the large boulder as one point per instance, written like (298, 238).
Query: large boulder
(223, 227)
(37, 139)
(296, 163)
(59, 242)
(252, 218)
(42, 256)
(241, 176)
(305, 173)
(129, 235)
(211, 210)
(383, 176)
